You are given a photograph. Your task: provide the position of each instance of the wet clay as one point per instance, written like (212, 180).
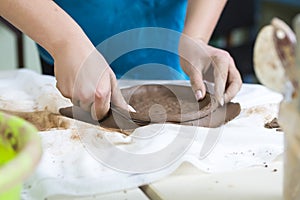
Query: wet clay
(161, 104)
(172, 103)
(169, 104)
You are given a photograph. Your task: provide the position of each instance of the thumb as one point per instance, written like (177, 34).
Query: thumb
(198, 85)
(221, 75)
(117, 98)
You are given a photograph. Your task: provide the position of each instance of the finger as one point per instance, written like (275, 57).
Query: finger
(234, 83)
(231, 91)
(86, 106)
(75, 102)
(83, 92)
(101, 105)
(117, 98)
(84, 96)
(197, 84)
(220, 64)
(102, 97)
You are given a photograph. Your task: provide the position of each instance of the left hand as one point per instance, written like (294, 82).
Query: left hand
(196, 57)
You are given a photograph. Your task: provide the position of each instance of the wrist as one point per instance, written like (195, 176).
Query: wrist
(78, 46)
(187, 42)
(196, 37)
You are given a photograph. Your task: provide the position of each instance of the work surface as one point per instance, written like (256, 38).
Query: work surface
(241, 160)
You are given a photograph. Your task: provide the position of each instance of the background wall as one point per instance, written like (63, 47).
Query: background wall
(8, 51)
(284, 9)
(239, 24)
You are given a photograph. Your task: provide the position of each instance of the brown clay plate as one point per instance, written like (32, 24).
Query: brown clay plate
(161, 104)
(172, 103)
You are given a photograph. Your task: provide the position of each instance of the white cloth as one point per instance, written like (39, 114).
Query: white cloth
(73, 165)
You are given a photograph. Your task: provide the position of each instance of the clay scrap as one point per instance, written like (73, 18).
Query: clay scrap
(273, 124)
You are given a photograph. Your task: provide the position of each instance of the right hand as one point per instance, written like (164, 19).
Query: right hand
(197, 57)
(84, 76)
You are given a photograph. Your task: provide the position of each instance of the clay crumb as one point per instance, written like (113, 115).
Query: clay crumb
(272, 124)
(98, 135)
(255, 110)
(75, 137)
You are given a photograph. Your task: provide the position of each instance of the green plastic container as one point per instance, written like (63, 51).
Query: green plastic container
(20, 152)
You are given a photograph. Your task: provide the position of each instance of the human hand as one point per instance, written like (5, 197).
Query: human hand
(85, 77)
(196, 57)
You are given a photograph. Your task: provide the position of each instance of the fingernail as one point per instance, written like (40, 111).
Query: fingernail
(131, 109)
(222, 101)
(93, 112)
(198, 95)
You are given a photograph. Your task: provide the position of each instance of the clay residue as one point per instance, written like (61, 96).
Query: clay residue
(266, 112)
(256, 110)
(42, 120)
(125, 132)
(273, 124)
(98, 135)
(75, 136)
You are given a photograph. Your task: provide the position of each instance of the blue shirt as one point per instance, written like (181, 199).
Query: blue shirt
(138, 38)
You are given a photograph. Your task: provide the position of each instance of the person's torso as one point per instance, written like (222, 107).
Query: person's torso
(120, 31)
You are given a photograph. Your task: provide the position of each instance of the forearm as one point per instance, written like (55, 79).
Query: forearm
(202, 17)
(46, 23)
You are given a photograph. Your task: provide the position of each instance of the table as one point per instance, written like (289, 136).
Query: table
(260, 183)
(246, 162)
